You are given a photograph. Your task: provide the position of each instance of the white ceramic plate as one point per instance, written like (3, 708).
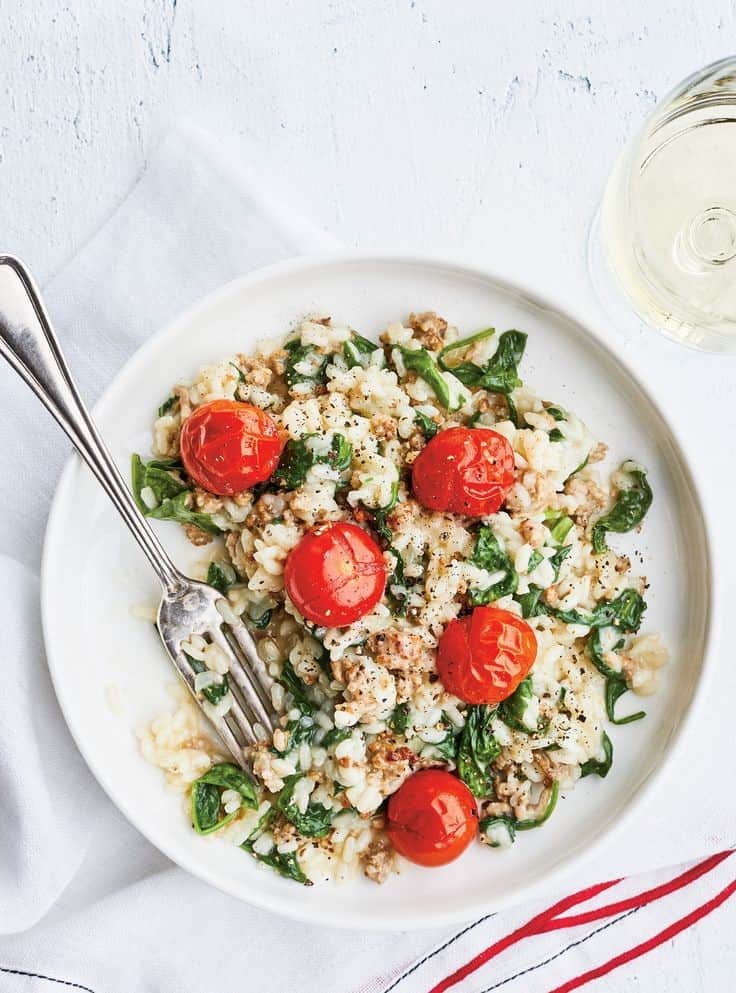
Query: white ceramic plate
(93, 569)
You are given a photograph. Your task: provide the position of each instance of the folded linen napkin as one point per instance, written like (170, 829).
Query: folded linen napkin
(74, 876)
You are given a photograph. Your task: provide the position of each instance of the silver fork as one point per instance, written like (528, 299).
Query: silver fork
(187, 608)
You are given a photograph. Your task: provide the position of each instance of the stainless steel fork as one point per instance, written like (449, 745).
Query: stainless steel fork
(29, 344)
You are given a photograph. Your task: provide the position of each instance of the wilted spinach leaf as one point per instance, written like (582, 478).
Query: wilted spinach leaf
(490, 822)
(159, 476)
(449, 393)
(340, 454)
(462, 343)
(396, 590)
(599, 767)
(315, 822)
(379, 514)
(625, 612)
(513, 825)
(448, 746)
(301, 730)
(579, 468)
(259, 621)
(477, 748)
(399, 719)
(628, 510)
(335, 735)
(177, 509)
(166, 406)
(295, 686)
(232, 777)
(534, 822)
(616, 688)
(298, 458)
(512, 710)
(488, 554)
(559, 525)
(298, 353)
(221, 575)
(558, 558)
(513, 412)
(357, 350)
(241, 374)
(172, 494)
(207, 791)
(531, 602)
(615, 681)
(429, 428)
(286, 863)
(500, 373)
(216, 691)
(206, 809)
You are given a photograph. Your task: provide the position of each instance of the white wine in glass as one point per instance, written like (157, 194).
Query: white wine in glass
(667, 224)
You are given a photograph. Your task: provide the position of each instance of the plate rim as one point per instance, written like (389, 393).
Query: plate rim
(587, 324)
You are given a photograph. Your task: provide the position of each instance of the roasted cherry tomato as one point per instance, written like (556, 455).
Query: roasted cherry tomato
(432, 817)
(335, 574)
(227, 446)
(464, 470)
(484, 656)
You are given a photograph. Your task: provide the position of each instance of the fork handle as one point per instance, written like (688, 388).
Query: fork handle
(29, 344)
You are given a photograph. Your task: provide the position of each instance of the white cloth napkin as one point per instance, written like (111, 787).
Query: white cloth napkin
(85, 901)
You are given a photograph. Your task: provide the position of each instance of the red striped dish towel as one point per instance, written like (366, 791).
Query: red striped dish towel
(582, 939)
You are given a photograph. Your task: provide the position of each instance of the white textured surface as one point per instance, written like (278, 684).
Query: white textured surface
(478, 128)
(474, 126)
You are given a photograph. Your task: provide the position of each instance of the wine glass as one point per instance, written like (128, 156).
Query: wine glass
(664, 239)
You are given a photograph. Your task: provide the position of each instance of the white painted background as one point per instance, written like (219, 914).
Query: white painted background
(487, 126)
(481, 128)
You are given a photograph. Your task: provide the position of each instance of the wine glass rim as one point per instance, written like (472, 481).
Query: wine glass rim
(652, 296)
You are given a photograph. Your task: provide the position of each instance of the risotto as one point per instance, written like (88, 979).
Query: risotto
(420, 545)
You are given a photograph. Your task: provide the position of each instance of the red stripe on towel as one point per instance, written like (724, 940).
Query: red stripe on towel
(549, 919)
(647, 946)
(648, 896)
(534, 926)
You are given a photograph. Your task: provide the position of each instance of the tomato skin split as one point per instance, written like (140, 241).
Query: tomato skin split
(483, 656)
(464, 470)
(335, 575)
(228, 446)
(432, 818)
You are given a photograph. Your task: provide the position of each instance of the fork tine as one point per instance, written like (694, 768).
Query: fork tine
(195, 608)
(239, 714)
(235, 727)
(247, 685)
(224, 730)
(242, 643)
